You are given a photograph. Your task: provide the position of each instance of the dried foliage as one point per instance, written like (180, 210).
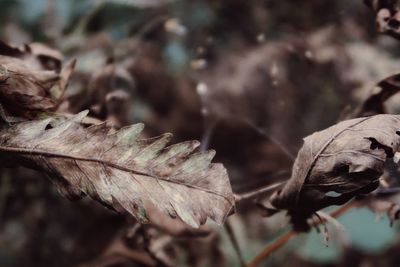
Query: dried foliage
(387, 16)
(115, 168)
(375, 103)
(337, 164)
(26, 87)
(121, 171)
(247, 78)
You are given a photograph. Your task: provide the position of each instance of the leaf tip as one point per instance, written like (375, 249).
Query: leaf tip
(80, 116)
(211, 153)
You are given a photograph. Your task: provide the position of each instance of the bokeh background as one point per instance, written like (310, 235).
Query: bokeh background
(248, 78)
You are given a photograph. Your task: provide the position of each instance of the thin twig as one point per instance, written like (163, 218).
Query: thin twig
(84, 21)
(390, 190)
(290, 155)
(278, 243)
(260, 191)
(235, 244)
(283, 239)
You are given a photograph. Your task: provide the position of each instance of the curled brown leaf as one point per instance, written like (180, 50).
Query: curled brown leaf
(337, 164)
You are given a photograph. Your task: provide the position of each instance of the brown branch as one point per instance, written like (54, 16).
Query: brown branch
(283, 239)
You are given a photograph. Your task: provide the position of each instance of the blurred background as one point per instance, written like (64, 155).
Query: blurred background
(248, 78)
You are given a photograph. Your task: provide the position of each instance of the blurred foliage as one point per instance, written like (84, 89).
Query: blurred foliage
(248, 78)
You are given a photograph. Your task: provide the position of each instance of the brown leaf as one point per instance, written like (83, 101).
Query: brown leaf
(50, 58)
(9, 50)
(36, 55)
(24, 90)
(121, 171)
(387, 16)
(374, 104)
(100, 84)
(337, 164)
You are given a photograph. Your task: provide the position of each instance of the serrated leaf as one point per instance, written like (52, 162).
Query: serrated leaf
(120, 170)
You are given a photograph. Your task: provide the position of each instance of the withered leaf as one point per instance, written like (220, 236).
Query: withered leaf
(49, 58)
(121, 171)
(374, 104)
(9, 50)
(337, 164)
(24, 90)
(36, 55)
(387, 16)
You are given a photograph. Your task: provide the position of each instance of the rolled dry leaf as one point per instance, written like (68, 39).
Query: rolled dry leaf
(337, 164)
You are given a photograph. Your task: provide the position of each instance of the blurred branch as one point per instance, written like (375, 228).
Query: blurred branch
(283, 239)
(83, 22)
(5, 189)
(234, 242)
(273, 139)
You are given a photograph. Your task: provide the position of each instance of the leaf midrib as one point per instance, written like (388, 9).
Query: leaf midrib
(322, 149)
(19, 150)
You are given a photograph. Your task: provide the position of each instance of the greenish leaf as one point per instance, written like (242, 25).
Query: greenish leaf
(120, 170)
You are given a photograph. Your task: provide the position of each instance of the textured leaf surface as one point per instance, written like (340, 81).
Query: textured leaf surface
(336, 164)
(120, 170)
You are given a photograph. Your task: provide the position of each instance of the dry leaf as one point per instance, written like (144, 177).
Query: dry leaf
(36, 55)
(50, 58)
(102, 82)
(337, 164)
(24, 90)
(387, 16)
(374, 104)
(121, 171)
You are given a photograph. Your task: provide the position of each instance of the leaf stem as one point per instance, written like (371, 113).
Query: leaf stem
(257, 192)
